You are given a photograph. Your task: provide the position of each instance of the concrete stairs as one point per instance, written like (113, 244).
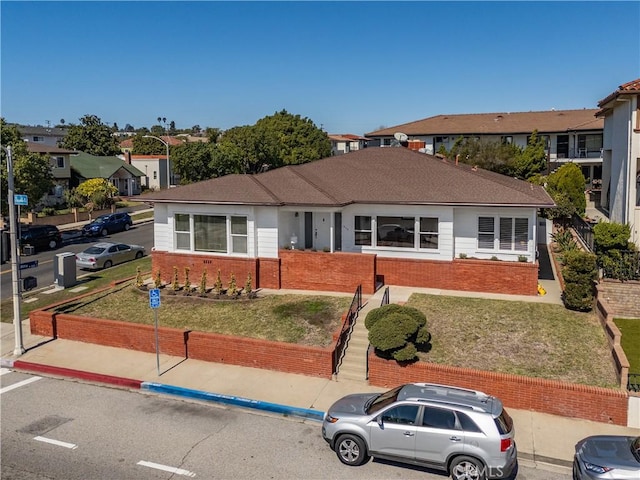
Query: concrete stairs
(623, 297)
(354, 361)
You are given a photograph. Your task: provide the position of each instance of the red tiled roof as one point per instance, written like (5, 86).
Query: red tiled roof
(629, 88)
(369, 176)
(498, 123)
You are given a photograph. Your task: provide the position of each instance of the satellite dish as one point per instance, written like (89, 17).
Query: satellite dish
(401, 137)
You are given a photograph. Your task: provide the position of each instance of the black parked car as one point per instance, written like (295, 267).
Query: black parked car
(40, 237)
(106, 224)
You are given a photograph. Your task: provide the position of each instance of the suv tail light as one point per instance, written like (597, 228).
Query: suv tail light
(505, 444)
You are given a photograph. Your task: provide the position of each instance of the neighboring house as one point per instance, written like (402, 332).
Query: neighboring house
(42, 135)
(345, 143)
(621, 160)
(154, 170)
(125, 177)
(570, 135)
(60, 169)
(127, 145)
(371, 217)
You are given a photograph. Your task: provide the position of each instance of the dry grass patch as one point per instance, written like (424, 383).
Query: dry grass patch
(301, 319)
(523, 338)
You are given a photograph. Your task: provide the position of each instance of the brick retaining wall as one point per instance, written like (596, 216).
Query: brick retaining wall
(525, 393)
(212, 347)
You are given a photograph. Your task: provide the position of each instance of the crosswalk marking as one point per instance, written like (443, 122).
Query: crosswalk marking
(19, 384)
(177, 471)
(72, 446)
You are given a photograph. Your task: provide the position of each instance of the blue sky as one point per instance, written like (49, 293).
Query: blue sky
(351, 67)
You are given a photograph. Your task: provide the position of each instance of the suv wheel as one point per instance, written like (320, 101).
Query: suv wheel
(126, 227)
(351, 450)
(53, 244)
(467, 468)
(104, 232)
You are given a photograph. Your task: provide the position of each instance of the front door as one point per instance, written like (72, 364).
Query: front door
(321, 230)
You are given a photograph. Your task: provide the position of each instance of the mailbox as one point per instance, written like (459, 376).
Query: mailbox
(29, 283)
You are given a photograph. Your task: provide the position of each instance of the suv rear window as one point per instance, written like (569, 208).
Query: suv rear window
(503, 422)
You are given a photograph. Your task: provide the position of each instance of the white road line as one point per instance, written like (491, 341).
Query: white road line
(177, 471)
(4, 370)
(19, 384)
(56, 442)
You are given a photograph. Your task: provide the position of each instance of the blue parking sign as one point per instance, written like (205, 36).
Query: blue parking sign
(20, 199)
(154, 298)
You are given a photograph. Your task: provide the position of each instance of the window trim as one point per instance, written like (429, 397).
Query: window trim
(229, 236)
(516, 236)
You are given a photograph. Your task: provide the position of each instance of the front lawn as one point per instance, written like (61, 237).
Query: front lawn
(630, 329)
(523, 338)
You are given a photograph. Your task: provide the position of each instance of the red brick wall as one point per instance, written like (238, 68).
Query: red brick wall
(249, 352)
(515, 278)
(333, 272)
(239, 267)
(343, 272)
(525, 393)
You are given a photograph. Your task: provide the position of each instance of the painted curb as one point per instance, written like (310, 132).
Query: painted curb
(79, 374)
(233, 400)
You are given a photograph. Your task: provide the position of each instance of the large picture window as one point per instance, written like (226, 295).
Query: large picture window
(512, 234)
(395, 232)
(210, 233)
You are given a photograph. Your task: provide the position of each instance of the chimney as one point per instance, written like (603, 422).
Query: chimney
(127, 157)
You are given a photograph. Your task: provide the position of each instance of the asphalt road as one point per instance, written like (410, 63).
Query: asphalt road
(62, 429)
(141, 234)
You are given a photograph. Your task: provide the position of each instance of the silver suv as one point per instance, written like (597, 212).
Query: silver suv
(463, 432)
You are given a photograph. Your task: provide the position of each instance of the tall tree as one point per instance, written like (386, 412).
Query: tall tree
(148, 146)
(300, 141)
(531, 160)
(91, 136)
(566, 185)
(31, 172)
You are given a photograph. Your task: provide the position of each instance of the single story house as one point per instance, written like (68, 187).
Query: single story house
(342, 143)
(371, 217)
(125, 177)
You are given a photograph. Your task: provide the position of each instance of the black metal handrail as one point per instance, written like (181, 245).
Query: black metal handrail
(385, 297)
(633, 382)
(584, 231)
(347, 327)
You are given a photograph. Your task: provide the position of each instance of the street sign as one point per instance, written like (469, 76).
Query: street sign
(154, 298)
(31, 264)
(20, 199)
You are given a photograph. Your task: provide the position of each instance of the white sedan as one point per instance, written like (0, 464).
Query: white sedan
(106, 254)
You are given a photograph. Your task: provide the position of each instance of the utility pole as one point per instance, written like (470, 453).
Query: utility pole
(15, 257)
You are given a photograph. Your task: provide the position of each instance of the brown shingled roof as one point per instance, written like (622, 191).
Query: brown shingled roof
(369, 176)
(499, 123)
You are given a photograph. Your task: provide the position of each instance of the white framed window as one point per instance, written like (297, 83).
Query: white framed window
(395, 232)
(210, 233)
(182, 231)
(239, 234)
(362, 230)
(429, 232)
(58, 162)
(512, 233)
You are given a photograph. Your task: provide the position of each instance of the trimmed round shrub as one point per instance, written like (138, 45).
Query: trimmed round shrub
(578, 296)
(392, 331)
(423, 336)
(377, 313)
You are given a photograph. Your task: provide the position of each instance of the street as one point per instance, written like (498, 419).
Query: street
(63, 429)
(141, 234)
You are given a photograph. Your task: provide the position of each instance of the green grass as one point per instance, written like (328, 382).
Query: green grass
(630, 328)
(523, 338)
